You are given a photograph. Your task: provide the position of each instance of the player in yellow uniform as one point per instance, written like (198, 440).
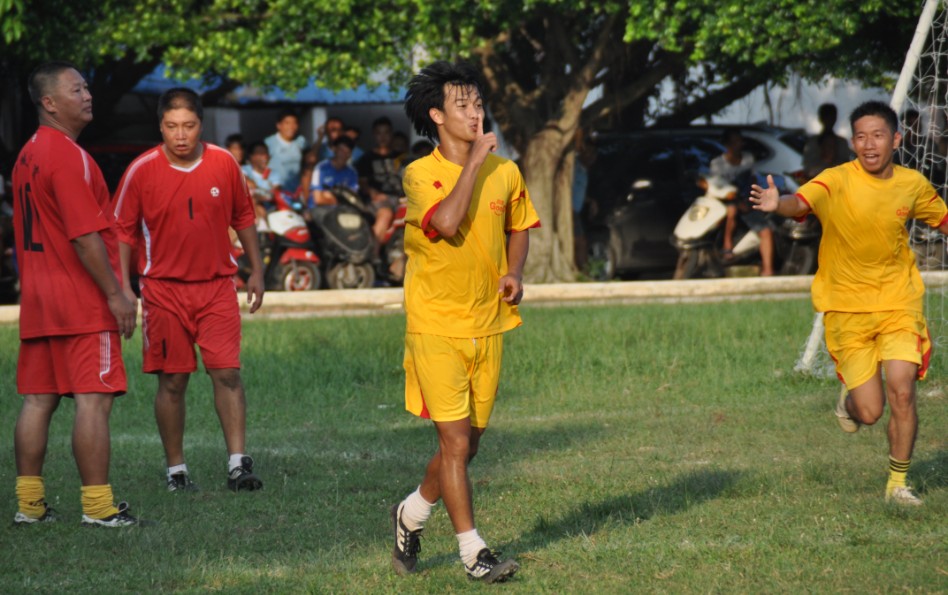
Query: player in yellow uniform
(867, 284)
(466, 238)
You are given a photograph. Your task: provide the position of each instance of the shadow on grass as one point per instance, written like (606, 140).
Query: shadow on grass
(686, 491)
(931, 473)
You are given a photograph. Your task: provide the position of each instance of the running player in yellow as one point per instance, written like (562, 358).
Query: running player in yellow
(867, 284)
(466, 238)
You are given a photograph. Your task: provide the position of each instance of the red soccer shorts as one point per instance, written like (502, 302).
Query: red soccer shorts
(176, 315)
(71, 364)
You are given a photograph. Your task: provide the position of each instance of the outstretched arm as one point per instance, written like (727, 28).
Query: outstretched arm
(769, 200)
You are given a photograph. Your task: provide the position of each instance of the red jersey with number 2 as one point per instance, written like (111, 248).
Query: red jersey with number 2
(178, 217)
(59, 194)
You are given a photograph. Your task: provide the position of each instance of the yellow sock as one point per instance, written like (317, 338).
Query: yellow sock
(97, 501)
(897, 472)
(31, 495)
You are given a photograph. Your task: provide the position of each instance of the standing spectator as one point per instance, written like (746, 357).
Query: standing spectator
(326, 135)
(826, 149)
(286, 149)
(462, 287)
(235, 144)
(186, 194)
(867, 284)
(732, 167)
(333, 172)
(72, 308)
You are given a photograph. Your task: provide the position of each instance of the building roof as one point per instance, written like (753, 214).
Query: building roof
(158, 82)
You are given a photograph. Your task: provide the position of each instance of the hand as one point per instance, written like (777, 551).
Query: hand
(483, 143)
(124, 306)
(765, 199)
(511, 288)
(255, 291)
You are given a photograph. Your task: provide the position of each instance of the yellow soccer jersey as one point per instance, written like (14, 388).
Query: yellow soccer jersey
(451, 284)
(865, 262)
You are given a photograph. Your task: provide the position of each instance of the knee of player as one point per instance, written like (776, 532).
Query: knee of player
(869, 414)
(229, 378)
(901, 399)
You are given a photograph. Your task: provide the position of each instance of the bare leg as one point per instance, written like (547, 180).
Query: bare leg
(170, 414)
(446, 477)
(767, 252)
(91, 441)
(866, 402)
(231, 405)
(383, 220)
(730, 224)
(903, 416)
(32, 433)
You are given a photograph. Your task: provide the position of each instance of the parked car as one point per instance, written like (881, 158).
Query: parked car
(643, 181)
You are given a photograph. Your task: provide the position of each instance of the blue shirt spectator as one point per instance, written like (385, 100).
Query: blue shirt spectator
(333, 172)
(286, 150)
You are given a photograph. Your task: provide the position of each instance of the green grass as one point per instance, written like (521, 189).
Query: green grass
(654, 448)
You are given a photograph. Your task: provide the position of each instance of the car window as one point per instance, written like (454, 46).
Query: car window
(759, 150)
(622, 162)
(697, 153)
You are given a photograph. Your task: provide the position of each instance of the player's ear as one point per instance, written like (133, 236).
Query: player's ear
(896, 140)
(436, 115)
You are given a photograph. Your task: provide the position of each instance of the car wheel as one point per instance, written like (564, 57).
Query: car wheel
(801, 260)
(298, 276)
(601, 264)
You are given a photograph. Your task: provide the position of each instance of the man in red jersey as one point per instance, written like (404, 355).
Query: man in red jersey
(72, 308)
(175, 203)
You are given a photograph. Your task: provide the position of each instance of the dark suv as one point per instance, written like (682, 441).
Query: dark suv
(643, 181)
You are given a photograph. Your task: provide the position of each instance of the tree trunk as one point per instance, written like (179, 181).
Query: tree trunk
(549, 178)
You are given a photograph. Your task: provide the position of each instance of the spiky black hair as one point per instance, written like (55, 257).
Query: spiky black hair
(426, 90)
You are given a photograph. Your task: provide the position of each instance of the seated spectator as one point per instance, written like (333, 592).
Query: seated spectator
(333, 172)
(262, 180)
(286, 149)
(400, 149)
(235, 144)
(307, 165)
(354, 133)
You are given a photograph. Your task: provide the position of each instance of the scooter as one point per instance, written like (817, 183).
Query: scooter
(290, 260)
(698, 235)
(353, 257)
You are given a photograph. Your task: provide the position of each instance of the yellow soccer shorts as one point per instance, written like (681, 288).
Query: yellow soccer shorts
(450, 378)
(858, 341)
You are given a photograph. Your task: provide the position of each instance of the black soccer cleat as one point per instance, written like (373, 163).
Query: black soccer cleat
(407, 544)
(242, 478)
(489, 569)
(181, 482)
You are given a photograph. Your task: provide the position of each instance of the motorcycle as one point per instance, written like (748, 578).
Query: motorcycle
(351, 253)
(290, 260)
(699, 232)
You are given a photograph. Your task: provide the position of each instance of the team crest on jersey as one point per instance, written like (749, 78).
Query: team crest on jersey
(902, 212)
(497, 206)
(215, 191)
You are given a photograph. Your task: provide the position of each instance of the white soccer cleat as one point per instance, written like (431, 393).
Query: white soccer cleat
(903, 495)
(846, 422)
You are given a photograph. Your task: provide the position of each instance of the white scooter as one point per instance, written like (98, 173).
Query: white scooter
(697, 235)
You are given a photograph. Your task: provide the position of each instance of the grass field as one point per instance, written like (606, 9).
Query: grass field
(653, 448)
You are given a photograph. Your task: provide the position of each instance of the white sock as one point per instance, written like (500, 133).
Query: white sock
(470, 544)
(234, 461)
(182, 468)
(416, 510)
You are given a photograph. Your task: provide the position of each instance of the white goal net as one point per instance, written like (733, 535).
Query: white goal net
(921, 100)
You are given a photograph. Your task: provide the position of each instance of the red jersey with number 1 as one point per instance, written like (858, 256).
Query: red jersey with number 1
(59, 194)
(178, 217)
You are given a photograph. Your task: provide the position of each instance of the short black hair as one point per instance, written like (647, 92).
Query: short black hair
(730, 134)
(382, 121)
(180, 98)
(234, 138)
(256, 145)
(286, 113)
(44, 77)
(426, 91)
(875, 108)
(351, 128)
(342, 139)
